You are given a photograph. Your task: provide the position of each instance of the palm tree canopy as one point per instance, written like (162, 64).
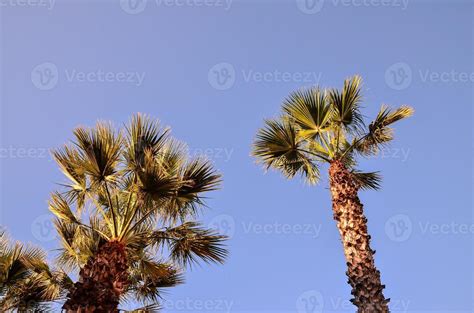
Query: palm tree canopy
(324, 125)
(137, 187)
(27, 283)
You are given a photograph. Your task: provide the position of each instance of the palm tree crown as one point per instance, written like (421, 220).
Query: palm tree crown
(27, 283)
(137, 188)
(325, 125)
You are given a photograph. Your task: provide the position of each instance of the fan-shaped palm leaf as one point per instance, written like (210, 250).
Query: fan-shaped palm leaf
(309, 110)
(278, 146)
(380, 131)
(346, 104)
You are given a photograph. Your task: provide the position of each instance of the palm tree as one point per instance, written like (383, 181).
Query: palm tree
(26, 281)
(326, 126)
(126, 219)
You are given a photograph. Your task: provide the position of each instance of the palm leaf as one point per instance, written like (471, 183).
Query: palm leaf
(60, 207)
(278, 146)
(368, 180)
(100, 151)
(380, 131)
(189, 242)
(346, 104)
(309, 110)
(143, 134)
(69, 161)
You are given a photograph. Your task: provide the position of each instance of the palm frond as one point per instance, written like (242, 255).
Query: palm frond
(149, 277)
(69, 161)
(25, 279)
(278, 146)
(310, 111)
(100, 150)
(189, 242)
(149, 308)
(380, 131)
(346, 104)
(60, 207)
(143, 134)
(195, 178)
(367, 180)
(154, 180)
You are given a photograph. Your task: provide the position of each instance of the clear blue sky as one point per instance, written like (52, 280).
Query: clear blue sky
(213, 73)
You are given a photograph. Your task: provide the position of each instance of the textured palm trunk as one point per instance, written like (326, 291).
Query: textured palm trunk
(364, 277)
(102, 281)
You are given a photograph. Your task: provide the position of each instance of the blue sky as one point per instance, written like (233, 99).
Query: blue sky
(213, 70)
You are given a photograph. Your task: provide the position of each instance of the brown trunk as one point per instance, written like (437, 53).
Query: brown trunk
(364, 277)
(101, 281)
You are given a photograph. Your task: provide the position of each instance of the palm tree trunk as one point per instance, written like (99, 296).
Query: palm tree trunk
(364, 277)
(101, 281)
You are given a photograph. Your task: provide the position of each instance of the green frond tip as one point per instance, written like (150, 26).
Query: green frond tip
(380, 131)
(367, 180)
(346, 104)
(100, 151)
(142, 134)
(309, 109)
(278, 146)
(190, 242)
(60, 207)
